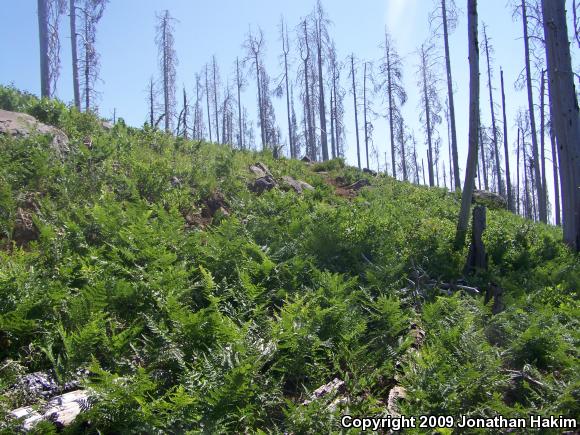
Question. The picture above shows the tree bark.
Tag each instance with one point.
(450, 96)
(564, 101)
(510, 198)
(555, 173)
(543, 138)
(483, 161)
(207, 101)
(518, 187)
(471, 166)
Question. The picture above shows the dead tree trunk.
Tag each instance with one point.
(450, 97)
(510, 198)
(365, 114)
(207, 101)
(471, 166)
(492, 109)
(239, 87)
(215, 99)
(518, 173)
(566, 116)
(477, 257)
(321, 104)
(355, 110)
(536, 160)
(427, 117)
(75, 61)
(43, 39)
(483, 161)
(543, 137)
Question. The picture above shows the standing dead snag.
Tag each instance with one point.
(488, 53)
(321, 39)
(566, 115)
(535, 158)
(471, 167)
(167, 64)
(43, 38)
(352, 72)
(510, 198)
(447, 13)
(392, 71)
(285, 52)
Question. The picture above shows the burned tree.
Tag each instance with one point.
(510, 198)
(285, 52)
(167, 63)
(497, 168)
(430, 105)
(352, 73)
(566, 115)
(91, 12)
(471, 167)
(522, 9)
(391, 70)
(254, 45)
(321, 39)
(444, 18)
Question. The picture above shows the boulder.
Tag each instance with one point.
(262, 184)
(298, 185)
(18, 124)
(260, 170)
(489, 199)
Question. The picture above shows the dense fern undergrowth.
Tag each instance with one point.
(230, 325)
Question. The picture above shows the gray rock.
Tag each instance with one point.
(18, 124)
(298, 185)
(260, 170)
(262, 184)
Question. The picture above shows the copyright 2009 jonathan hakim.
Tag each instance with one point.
(461, 422)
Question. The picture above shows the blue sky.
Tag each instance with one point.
(125, 41)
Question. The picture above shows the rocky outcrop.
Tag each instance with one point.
(18, 124)
(265, 181)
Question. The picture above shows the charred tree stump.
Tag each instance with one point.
(477, 257)
(496, 292)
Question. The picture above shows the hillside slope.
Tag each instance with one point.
(145, 268)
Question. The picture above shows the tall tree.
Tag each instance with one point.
(304, 47)
(215, 96)
(167, 63)
(321, 38)
(352, 73)
(471, 166)
(566, 115)
(74, 53)
(555, 171)
(43, 38)
(254, 45)
(366, 123)
(392, 72)
(534, 136)
(445, 17)
(207, 98)
(239, 85)
(285, 52)
(510, 198)
(91, 12)
(497, 170)
(430, 105)
(198, 127)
